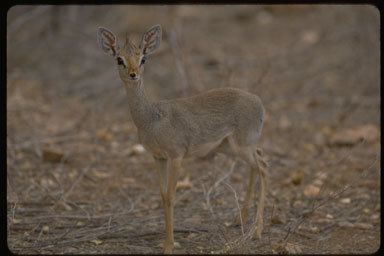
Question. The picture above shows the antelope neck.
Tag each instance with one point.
(142, 109)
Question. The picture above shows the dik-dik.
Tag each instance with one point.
(225, 120)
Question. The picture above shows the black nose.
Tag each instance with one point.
(133, 75)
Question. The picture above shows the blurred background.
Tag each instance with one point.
(78, 179)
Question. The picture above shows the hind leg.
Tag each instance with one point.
(241, 219)
(263, 174)
(258, 165)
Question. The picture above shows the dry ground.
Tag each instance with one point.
(77, 181)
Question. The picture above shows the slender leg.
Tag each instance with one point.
(245, 209)
(168, 179)
(263, 172)
(162, 173)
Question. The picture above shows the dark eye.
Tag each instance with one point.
(120, 61)
(142, 60)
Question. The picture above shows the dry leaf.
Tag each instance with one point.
(96, 242)
(26, 165)
(318, 182)
(284, 123)
(201, 248)
(297, 202)
(130, 228)
(311, 191)
(175, 244)
(101, 174)
(309, 147)
(52, 155)
(184, 184)
(16, 221)
(313, 230)
(80, 224)
(45, 228)
(236, 177)
(293, 248)
(220, 202)
(345, 224)
(375, 216)
(297, 177)
(192, 235)
(227, 249)
(322, 175)
(286, 248)
(104, 134)
(47, 182)
(129, 180)
(63, 206)
(278, 219)
(363, 225)
(322, 220)
(353, 136)
(310, 36)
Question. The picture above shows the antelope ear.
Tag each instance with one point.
(107, 41)
(151, 40)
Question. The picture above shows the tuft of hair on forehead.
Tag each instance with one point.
(130, 48)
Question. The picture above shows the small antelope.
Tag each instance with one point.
(226, 120)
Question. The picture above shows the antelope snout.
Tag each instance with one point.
(133, 75)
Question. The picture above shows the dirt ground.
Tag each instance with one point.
(78, 180)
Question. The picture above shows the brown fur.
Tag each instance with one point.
(226, 120)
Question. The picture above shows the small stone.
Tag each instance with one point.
(345, 201)
(345, 224)
(138, 149)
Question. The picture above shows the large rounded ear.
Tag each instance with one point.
(151, 40)
(107, 41)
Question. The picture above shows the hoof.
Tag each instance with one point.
(257, 235)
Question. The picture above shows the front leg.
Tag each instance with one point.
(168, 175)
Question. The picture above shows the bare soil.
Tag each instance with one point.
(78, 181)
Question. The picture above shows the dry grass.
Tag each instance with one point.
(76, 183)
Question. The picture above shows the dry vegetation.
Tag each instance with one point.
(78, 182)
